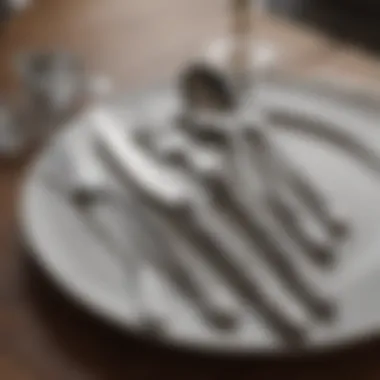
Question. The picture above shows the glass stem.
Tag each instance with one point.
(241, 28)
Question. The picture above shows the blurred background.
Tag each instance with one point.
(119, 37)
(353, 21)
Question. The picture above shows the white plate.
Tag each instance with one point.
(100, 276)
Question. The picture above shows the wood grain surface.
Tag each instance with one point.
(43, 335)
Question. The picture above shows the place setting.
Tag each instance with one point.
(234, 210)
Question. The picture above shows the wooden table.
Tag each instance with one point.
(42, 335)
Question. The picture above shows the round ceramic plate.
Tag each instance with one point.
(92, 256)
